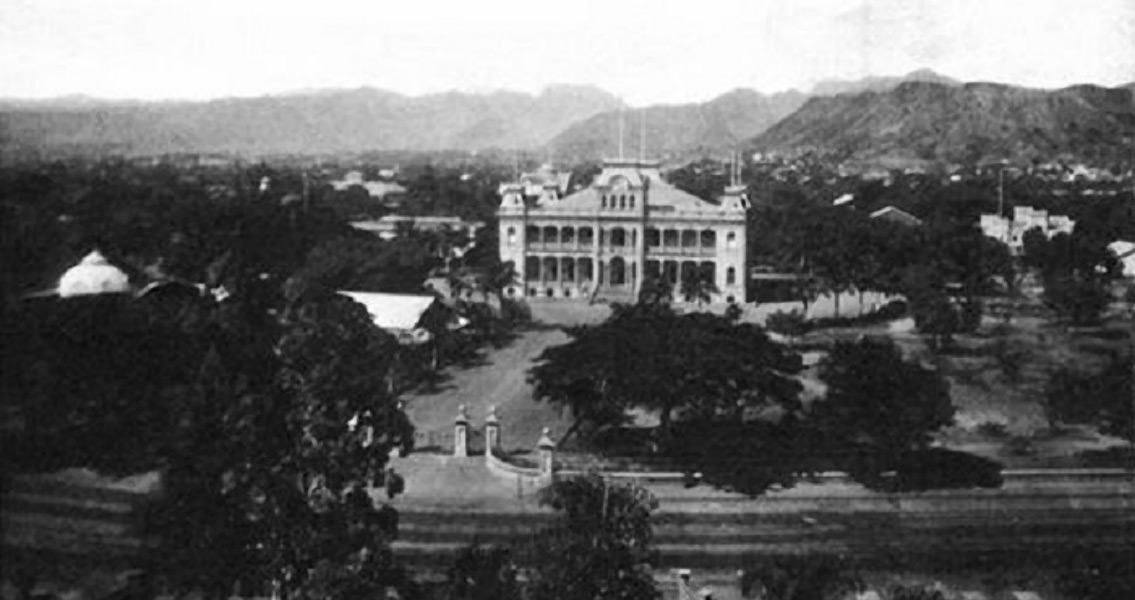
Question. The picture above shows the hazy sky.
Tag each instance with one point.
(644, 51)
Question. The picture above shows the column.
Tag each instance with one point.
(460, 426)
(492, 431)
(546, 448)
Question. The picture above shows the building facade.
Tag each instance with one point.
(1012, 231)
(604, 241)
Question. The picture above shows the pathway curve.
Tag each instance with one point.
(502, 382)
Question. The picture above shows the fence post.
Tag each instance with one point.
(684, 584)
(492, 431)
(461, 424)
(546, 447)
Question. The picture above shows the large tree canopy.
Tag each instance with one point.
(879, 406)
(647, 356)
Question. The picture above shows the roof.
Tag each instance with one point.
(896, 215)
(1121, 249)
(393, 311)
(632, 175)
(93, 275)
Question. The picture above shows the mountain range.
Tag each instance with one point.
(918, 117)
(928, 122)
(309, 122)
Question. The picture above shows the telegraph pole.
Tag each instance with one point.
(1001, 200)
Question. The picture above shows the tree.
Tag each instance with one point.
(1103, 398)
(480, 573)
(698, 287)
(599, 548)
(1077, 271)
(267, 471)
(649, 357)
(879, 406)
(931, 307)
(800, 578)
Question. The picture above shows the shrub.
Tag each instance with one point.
(939, 468)
(791, 323)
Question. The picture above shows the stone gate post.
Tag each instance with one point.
(460, 428)
(546, 448)
(492, 431)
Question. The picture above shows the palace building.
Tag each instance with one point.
(603, 241)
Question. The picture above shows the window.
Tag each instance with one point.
(511, 236)
(731, 240)
(632, 200)
(604, 200)
(618, 271)
(622, 201)
(618, 237)
(730, 275)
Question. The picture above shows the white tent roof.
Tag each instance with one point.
(393, 311)
(93, 275)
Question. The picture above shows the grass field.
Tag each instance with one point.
(1000, 411)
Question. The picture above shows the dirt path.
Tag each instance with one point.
(501, 382)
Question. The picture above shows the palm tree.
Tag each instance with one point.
(496, 278)
(696, 287)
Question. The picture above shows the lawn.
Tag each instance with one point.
(998, 376)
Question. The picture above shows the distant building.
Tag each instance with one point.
(896, 215)
(1012, 231)
(388, 227)
(1125, 252)
(389, 192)
(604, 241)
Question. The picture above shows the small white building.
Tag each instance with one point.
(1125, 252)
(1012, 231)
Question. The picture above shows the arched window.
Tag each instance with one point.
(618, 271)
(730, 275)
(632, 200)
(622, 201)
(731, 240)
(586, 236)
(618, 237)
(511, 236)
(604, 200)
(708, 239)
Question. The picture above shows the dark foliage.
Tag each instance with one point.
(879, 406)
(1103, 398)
(600, 548)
